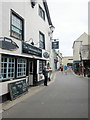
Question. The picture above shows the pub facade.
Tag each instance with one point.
(24, 43)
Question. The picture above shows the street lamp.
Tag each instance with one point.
(51, 30)
(32, 43)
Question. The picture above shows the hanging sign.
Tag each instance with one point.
(55, 45)
(8, 44)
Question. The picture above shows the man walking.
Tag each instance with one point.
(45, 73)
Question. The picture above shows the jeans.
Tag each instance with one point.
(45, 81)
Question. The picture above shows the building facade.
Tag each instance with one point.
(24, 42)
(68, 60)
(81, 53)
(57, 60)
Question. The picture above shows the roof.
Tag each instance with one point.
(47, 12)
(79, 38)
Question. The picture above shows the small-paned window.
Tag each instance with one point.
(7, 68)
(41, 40)
(41, 13)
(41, 65)
(17, 26)
(21, 67)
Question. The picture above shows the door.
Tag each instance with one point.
(30, 72)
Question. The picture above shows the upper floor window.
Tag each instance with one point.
(41, 40)
(17, 26)
(41, 13)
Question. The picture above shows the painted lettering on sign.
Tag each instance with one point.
(55, 45)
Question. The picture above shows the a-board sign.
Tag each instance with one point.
(18, 88)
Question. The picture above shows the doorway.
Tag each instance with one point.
(32, 72)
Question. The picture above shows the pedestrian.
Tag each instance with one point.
(49, 73)
(61, 68)
(84, 71)
(65, 69)
(45, 73)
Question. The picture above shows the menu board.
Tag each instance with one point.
(17, 88)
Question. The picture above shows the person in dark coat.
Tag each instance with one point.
(45, 73)
(61, 68)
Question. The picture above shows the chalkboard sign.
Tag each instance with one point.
(17, 88)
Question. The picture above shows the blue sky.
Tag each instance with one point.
(70, 18)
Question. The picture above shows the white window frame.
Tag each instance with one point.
(41, 13)
(41, 40)
(8, 73)
(20, 66)
(41, 65)
(17, 26)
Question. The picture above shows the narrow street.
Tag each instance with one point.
(66, 97)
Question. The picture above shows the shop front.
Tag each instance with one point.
(32, 72)
(36, 54)
(16, 67)
(76, 66)
(55, 63)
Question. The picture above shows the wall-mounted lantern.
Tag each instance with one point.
(51, 30)
(33, 3)
(31, 39)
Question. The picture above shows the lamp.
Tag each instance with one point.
(32, 43)
(33, 3)
(51, 30)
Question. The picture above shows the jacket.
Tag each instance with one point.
(45, 72)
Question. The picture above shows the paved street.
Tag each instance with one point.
(66, 97)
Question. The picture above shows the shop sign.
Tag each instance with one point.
(30, 49)
(8, 44)
(46, 55)
(55, 45)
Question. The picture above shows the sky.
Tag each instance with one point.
(70, 19)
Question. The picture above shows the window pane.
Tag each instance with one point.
(16, 27)
(41, 13)
(41, 41)
(6, 67)
(40, 66)
(21, 70)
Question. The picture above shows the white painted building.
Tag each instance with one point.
(82, 40)
(25, 45)
(81, 51)
(58, 60)
(67, 60)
